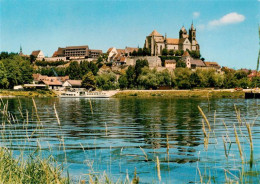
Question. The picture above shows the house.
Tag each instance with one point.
(130, 50)
(38, 54)
(197, 63)
(170, 64)
(213, 65)
(38, 78)
(72, 84)
(52, 83)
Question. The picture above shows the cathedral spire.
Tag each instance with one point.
(21, 51)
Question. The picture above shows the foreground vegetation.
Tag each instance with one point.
(32, 170)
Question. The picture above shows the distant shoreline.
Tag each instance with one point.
(195, 93)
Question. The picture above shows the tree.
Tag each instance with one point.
(148, 79)
(140, 63)
(180, 64)
(171, 52)
(240, 74)
(146, 52)
(88, 81)
(106, 81)
(26, 72)
(183, 78)
(178, 53)
(83, 68)
(195, 80)
(164, 52)
(130, 75)
(140, 52)
(14, 75)
(73, 71)
(123, 82)
(32, 58)
(93, 67)
(3, 76)
(134, 53)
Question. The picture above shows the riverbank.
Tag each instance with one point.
(225, 93)
(34, 93)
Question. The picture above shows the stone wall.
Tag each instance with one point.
(153, 61)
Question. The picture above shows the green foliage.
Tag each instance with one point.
(123, 82)
(195, 54)
(107, 81)
(182, 78)
(32, 58)
(3, 76)
(140, 63)
(73, 70)
(180, 64)
(148, 79)
(146, 52)
(5, 55)
(171, 52)
(50, 63)
(140, 52)
(76, 71)
(15, 71)
(130, 75)
(32, 170)
(164, 52)
(88, 81)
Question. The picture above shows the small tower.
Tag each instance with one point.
(21, 51)
(183, 33)
(192, 34)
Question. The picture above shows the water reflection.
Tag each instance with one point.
(110, 132)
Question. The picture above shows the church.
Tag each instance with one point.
(155, 42)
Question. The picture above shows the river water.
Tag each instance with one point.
(120, 135)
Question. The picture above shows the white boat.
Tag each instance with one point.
(83, 94)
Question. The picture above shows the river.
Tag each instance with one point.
(119, 135)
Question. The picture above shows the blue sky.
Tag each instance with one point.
(227, 30)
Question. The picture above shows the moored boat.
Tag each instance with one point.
(83, 94)
(252, 94)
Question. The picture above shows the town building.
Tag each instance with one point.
(77, 52)
(38, 54)
(72, 84)
(170, 64)
(119, 55)
(156, 42)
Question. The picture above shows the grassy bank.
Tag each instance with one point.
(32, 170)
(181, 93)
(33, 93)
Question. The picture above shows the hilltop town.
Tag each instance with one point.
(162, 63)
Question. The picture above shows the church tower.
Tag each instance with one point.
(21, 51)
(192, 38)
(183, 33)
(192, 34)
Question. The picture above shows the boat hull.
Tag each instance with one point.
(252, 95)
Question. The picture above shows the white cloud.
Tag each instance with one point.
(201, 27)
(197, 14)
(230, 18)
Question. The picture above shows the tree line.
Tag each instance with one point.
(14, 70)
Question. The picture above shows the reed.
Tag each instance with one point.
(205, 118)
(251, 144)
(158, 169)
(238, 144)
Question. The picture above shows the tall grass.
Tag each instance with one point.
(248, 172)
